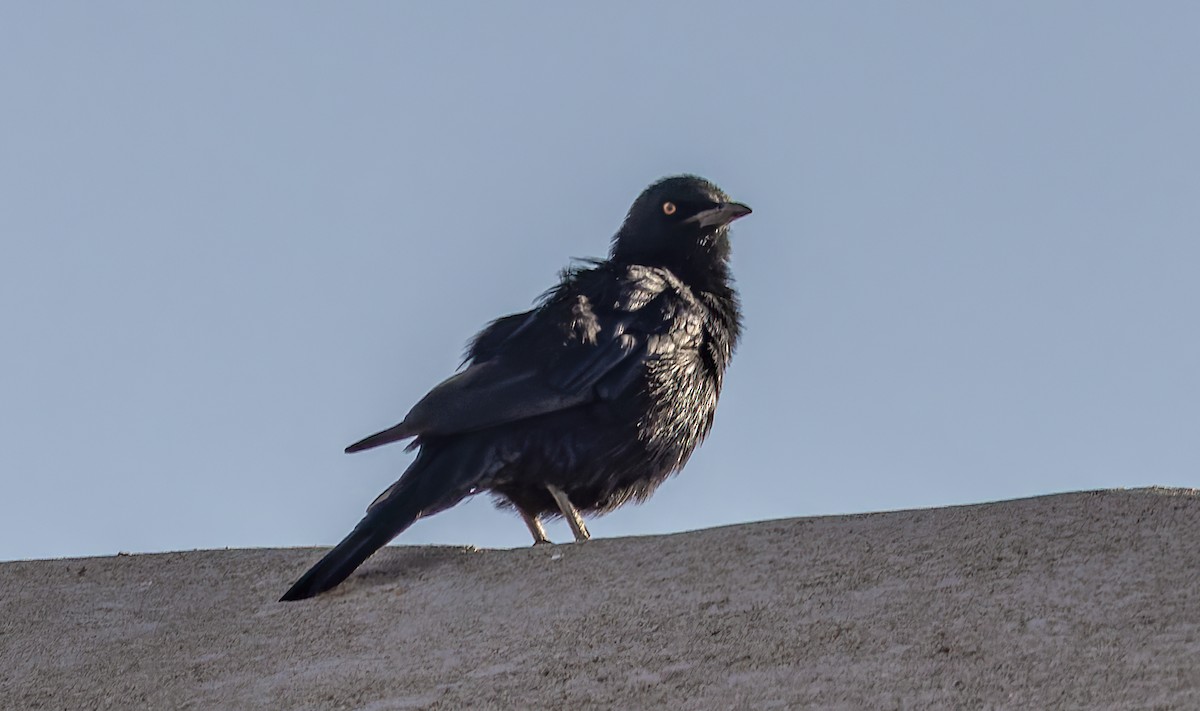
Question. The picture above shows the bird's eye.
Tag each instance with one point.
(668, 208)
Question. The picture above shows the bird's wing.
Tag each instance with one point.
(489, 342)
(561, 355)
(516, 385)
(500, 390)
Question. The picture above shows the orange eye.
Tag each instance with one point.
(668, 208)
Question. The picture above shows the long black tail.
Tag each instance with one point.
(337, 565)
(437, 480)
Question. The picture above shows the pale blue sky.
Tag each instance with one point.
(237, 236)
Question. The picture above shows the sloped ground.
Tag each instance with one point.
(1088, 600)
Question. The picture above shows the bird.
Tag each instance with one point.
(588, 401)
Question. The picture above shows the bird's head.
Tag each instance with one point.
(681, 223)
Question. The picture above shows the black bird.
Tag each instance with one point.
(589, 400)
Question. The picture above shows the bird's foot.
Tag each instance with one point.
(535, 529)
(570, 513)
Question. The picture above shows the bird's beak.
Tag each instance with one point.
(720, 215)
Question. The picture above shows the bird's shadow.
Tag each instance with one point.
(399, 564)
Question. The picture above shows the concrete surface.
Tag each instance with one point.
(1088, 600)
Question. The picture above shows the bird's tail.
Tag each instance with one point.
(339, 563)
(434, 482)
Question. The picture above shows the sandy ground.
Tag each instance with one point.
(1088, 600)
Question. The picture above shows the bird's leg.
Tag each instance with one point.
(569, 512)
(535, 527)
